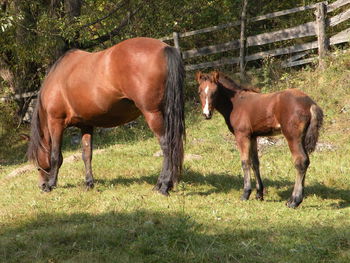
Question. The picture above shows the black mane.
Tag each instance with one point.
(230, 84)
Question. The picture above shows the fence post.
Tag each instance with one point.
(176, 38)
(321, 11)
(243, 42)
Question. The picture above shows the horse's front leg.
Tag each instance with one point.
(56, 131)
(255, 161)
(86, 140)
(244, 146)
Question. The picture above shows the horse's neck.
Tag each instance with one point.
(224, 103)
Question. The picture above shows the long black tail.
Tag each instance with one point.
(174, 116)
(35, 142)
(313, 130)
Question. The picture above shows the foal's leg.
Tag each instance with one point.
(86, 140)
(166, 179)
(255, 161)
(244, 145)
(56, 128)
(301, 163)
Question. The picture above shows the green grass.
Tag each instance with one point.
(123, 220)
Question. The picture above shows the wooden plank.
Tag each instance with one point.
(211, 49)
(283, 13)
(242, 41)
(335, 20)
(216, 63)
(341, 37)
(304, 30)
(321, 33)
(298, 62)
(297, 56)
(331, 7)
(209, 29)
(176, 41)
(166, 38)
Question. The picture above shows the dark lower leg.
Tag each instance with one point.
(244, 146)
(56, 159)
(165, 181)
(86, 140)
(55, 163)
(247, 184)
(256, 170)
(301, 163)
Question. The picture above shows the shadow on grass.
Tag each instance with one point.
(143, 236)
(324, 192)
(224, 183)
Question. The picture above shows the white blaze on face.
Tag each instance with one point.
(206, 106)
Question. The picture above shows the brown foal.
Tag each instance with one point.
(249, 114)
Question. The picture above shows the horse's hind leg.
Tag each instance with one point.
(165, 180)
(255, 161)
(301, 163)
(244, 146)
(86, 140)
(56, 131)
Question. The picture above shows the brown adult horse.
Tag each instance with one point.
(110, 88)
(249, 114)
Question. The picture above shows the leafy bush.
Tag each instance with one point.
(10, 135)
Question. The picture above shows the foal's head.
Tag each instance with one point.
(207, 90)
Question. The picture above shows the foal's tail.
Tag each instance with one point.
(174, 116)
(35, 141)
(313, 130)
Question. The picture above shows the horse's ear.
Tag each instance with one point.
(215, 76)
(198, 76)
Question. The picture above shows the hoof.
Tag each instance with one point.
(292, 203)
(89, 185)
(156, 187)
(259, 196)
(164, 190)
(245, 195)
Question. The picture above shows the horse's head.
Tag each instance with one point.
(207, 90)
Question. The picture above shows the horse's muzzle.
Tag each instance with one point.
(208, 115)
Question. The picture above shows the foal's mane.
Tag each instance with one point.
(230, 84)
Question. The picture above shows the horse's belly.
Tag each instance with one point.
(268, 132)
(112, 115)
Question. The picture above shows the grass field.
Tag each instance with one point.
(123, 220)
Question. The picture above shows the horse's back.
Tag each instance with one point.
(265, 114)
(109, 87)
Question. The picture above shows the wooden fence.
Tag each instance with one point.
(313, 28)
